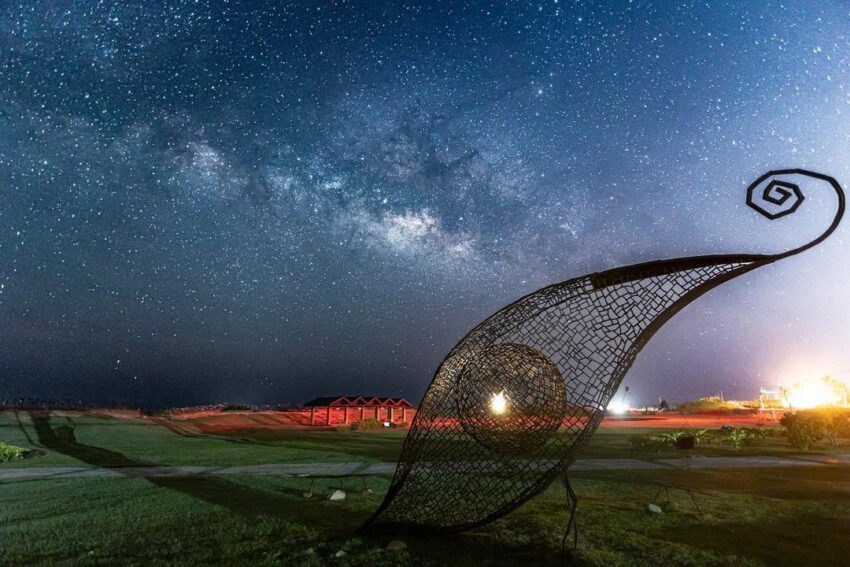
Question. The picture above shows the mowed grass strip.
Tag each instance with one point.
(150, 442)
(173, 442)
(749, 517)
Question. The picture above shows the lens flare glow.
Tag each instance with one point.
(499, 403)
(618, 408)
(812, 394)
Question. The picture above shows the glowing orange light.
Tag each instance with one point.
(811, 394)
(498, 403)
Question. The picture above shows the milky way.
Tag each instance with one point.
(267, 201)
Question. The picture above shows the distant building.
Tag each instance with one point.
(333, 410)
(772, 399)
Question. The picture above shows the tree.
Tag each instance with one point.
(804, 428)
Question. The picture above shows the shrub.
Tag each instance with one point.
(757, 433)
(236, 408)
(673, 439)
(652, 442)
(838, 425)
(806, 427)
(744, 437)
(706, 404)
(701, 436)
(367, 425)
(738, 437)
(10, 453)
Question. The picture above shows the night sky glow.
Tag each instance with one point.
(269, 201)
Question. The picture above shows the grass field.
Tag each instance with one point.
(748, 516)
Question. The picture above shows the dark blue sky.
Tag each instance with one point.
(268, 201)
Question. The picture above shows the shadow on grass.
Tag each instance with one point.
(191, 433)
(217, 491)
(286, 503)
(375, 445)
(826, 483)
(23, 429)
(804, 540)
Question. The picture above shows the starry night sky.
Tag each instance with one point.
(264, 202)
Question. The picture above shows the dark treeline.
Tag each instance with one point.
(38, 403)
(51, 403)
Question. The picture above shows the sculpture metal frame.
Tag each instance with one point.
(552, 360)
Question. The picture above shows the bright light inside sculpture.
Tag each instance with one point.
(618, 408)
(498, 403)
(811, 394)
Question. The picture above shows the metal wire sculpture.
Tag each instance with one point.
(517, 399)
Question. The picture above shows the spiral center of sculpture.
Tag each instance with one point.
(511, 399)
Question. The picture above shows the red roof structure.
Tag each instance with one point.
(347, 409)
(357, 401)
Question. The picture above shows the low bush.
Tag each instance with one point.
(673, 437)
(757, 433)
(367, 425)
(652, 442)
(671, 440)
(701, 435)
(236, 408)
(740, 437)
(803, 429)
(706, 404)
(10, 453)
(837, 425)
(806, 427)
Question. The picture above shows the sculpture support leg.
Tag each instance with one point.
(572, 523)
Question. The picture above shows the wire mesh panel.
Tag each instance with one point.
(511, 399)
(513, 404)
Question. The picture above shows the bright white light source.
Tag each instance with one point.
(811, 394)
(499, 403)
(618, 407)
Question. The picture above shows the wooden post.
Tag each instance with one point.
(329, 415)
(345, 415)
(312, 415)
(390, 419)
(361, 413)
(404, 414)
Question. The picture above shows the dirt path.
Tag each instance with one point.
(367, 469)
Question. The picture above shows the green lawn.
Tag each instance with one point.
(145, 442)
(770, 516)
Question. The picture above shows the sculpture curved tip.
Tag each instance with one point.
(777, 194)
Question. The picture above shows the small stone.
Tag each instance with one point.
(308, 494)
(396, 545)
(337, 495)
(653, 509)
(340, 553)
